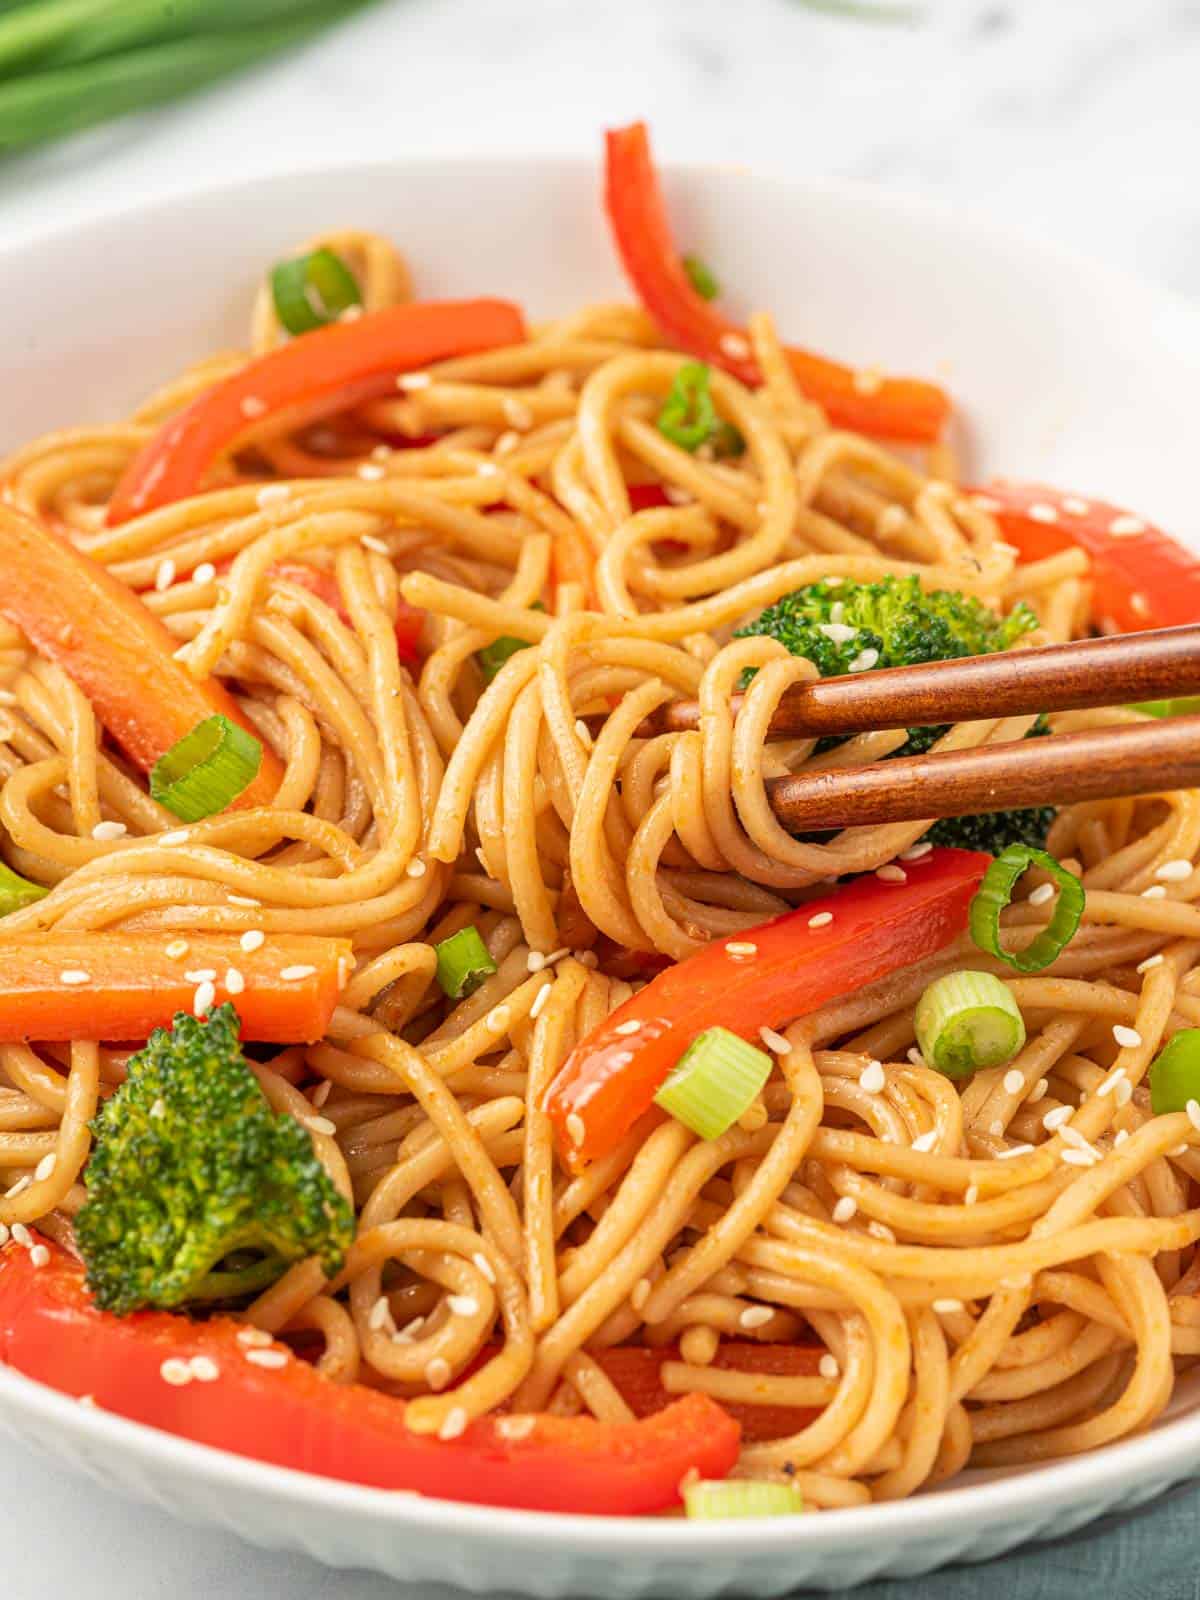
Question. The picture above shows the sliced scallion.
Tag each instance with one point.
(688, 416)
(715, 1500)
(716, 1079)
(463, 963)
(701, 277)
(16, 892)
(1175, 1073)
(206, 770)
(493, 656)
(995, 892)
(967, 1021)
(312, 291)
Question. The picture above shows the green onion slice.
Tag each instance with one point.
(712, 1500)
(463, 963)
(967, 1021)
(1175, 1073)
(688, 417)
(206, 770)
(493, 656)
(312, 291)
(701, 277)
(715, 1080)
(995, 892)
(16, 892)
(1185, 707)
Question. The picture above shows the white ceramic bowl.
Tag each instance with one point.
(1065, 371)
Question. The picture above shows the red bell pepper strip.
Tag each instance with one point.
(293, 1417)
(1141, 577)
(323, 372)
(636, 1372)
(76, 614)
(890, 408)
(763, 977)
(410, 620)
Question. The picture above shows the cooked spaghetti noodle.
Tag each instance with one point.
(998, 1273)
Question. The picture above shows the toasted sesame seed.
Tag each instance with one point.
(1127, 1038)
(756, 1316)
(1017, 1280)
(890, 873)
(1111, 1082)
(74, 978)
(1014, 1081)
(515, 1427)
(296, 974)
(204, 573)
(380, 1314)
(845, 1208)
(539, 1001)
(828, 1366)
(534, 961)
(175, 836)
(462, 1305)
(1039, 1091)
(21, 1234)
(487, 469)
(267, 1358)
(370, 542)
(202, 975)
(873, 1078)
(18, 1188)
(164, 575)
(410, 382)
(576, 1128)
(1040, 512)
(880, 1230)
(257, 1338)
(1174, 871)
(626, 1029)
(205, 1369)
(498, 1018)
(1078, 1158)
(735, 347)
(485, 1267)
(371, 472)
(820, 919)
(1193, 1113)
(971, 1195)
(1156, 891)
(916, 851)
(243, 900)
(864, 661)
(741, 949)
(775, 1042)
(1043, 892)
(1014, 1150)
(319, 1125)
(235, 983)
(1076, 506)
(455, 1424)
(914, 1055)
(507, 443)
(1122, 1135)
(1073, 1137)
(1123, 527)
(45, 1167)
(175, 1372)
(1123, 1093)
(253, 939)
(204, 999)
(437, 1373)
(948, 1308)
(105, 832)
(272, 494)
(416, 868)
(39, 1256)
(1150, 962)
(838, 632)
(4, 1235)
(1053, 1120)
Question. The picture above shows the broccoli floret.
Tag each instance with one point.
(197, 1190)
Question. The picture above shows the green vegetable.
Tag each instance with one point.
(1175, 1074)
(712, 1500)
(17, 892)
(967, 1021)
(715, 1080)
(463, 963)
(701, 278)
(995, 892)
(206, 770)
(1185, 707)
(689, 419)
(993, 831)
(493, 656)
(197, 1190)
(312, 291)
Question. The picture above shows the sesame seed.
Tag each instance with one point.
(774, 1042)
(828, 1367)
(256, 1338)
(1040, 512)
(74, 978)
(1156, 891)
(1123, 1093)
(1076, 506)
(1017, 1280)
(845, 1208)
(107, 831)
(756, 1316)
(864, 661)
(296, 974)
(1123, 527)
(1043, 892)
(1039, 1091)
(1174, 871)
(821, 919)
(741, 949)
(18, 1188)
(507, 443)
(839, 632)
(485, 1266)
(164, 575)
(319, 1125)
(243, 900)
(832, 581)
(159, 1108)
(880, 1230)
(39, 1256)
(252, 406)
(488, 469)
(437, 1373)
(1127, 1038)
(1073, 1137)
(873, 1078)
(205, 1369)
(1078, 1158)
(948, 1308)
(1121, 1136)
(1193, 1113)
(576, 1128)
(1110, 1083)
(583, 733)
(370, 472)
(515, 1427)
(1014, 1150)
(535, 961)
(410, 382)
(539, 1001)
(253, 939)
(587, 958)
(891, 874)
(416, 868)
(1053, 1120)
(1150, 961)
(868, 382)
(916, 851)
(455, 1424)
(175, 836)
(498, 1018)
(45, 1167)
(380, 1314)
(626, 1029)
(915, 1056)
(267, 1358)
(204, 999)
(925, 1142)
(235, 983)
(971, 1195)
(272, 494)
(735, 347)
(204, 573)
(4, 1235)
(462, 1305)
(1014, 1081)
(21, 1233)
(175, 1372)
(202, 975)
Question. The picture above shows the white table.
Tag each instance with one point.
(1077, 119)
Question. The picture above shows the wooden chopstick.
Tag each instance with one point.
(1100, 764)
(1121, 670)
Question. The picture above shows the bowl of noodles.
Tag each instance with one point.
(447, 1123)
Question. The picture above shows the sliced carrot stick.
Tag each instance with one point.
(62, 986)
(79, 616)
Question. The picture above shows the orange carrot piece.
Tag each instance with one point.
(61, 986)
(79, 616)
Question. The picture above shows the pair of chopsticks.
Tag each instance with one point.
(1100, 764)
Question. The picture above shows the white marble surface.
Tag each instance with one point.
(1077, 119)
